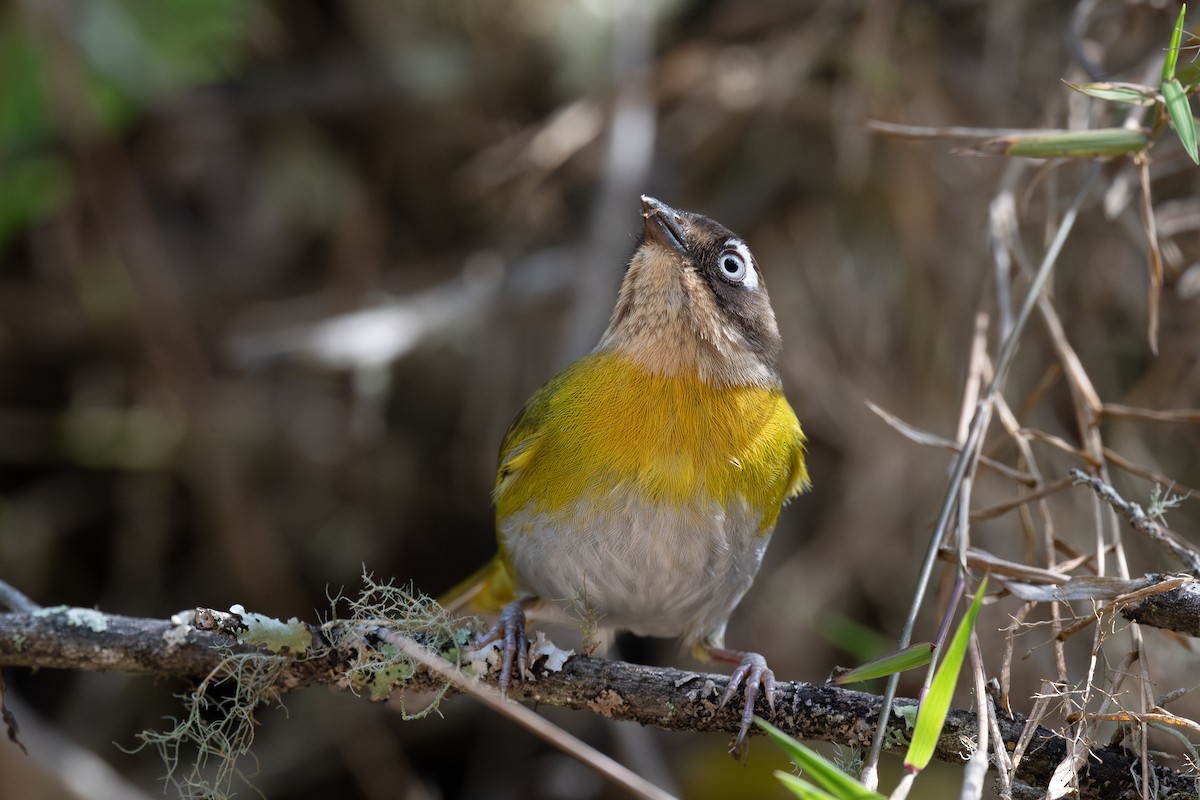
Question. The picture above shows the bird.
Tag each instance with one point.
(639, 487)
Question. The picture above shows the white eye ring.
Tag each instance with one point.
(733, 267)
(736, 265)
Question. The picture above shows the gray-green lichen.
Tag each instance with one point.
(88, 618)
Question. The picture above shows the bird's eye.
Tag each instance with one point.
(733, 266)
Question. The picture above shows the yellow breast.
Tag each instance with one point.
(605, 421)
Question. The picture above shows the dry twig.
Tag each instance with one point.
(1141, 521)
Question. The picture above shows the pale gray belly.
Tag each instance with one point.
(640, 567)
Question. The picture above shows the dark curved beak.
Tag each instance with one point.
(663, 224)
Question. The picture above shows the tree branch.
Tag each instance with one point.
(671, 699)
(1177, 610)
(1142, 522)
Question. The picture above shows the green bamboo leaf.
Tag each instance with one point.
(1173, 51)
(817, 769)
(932, 714)
(1181, 115)
(802, 788)
(911, 657)
(1096, 143)
(1132, 93)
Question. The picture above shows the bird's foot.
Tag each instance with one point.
(510, 631)
(752, 670)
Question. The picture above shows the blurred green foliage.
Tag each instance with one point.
(132, 52)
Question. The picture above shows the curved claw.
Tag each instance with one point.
(510, 629)
(752, 670)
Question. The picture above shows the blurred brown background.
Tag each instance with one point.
(275, 276)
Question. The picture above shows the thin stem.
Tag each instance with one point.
(970, 449)
(582, 752)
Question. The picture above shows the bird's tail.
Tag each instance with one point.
(488, 590)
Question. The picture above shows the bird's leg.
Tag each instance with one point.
(753, 670)
(510, 629)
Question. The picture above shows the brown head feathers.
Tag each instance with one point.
(693, 302)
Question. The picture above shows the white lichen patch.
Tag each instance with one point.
(483, 660)
(553, 655)
(181, 625)
(88, 618)
(271, 633)
(487, 658)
